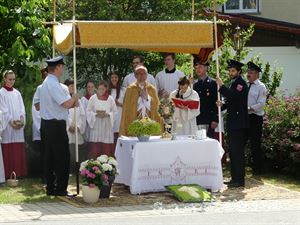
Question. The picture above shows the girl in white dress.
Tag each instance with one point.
(100, 116)
(185, 118)
(89, 92)
(81, 124)
(117, 92)
(13, 143)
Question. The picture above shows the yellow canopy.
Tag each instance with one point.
(160, 36)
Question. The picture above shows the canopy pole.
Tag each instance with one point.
(217, 69)
(192, 58)
(54, 21)
(75, 92)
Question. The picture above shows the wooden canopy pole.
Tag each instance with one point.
(75, 92)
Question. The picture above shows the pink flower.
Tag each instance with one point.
(91, 175)
(83, 172)
(95, 168)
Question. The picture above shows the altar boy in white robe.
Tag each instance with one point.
(184, 116)
(71, 126)
(167, 79)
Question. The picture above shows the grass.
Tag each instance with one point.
(277, 179)
(24, 193)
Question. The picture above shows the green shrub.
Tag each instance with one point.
(144, 127)
(281, 134)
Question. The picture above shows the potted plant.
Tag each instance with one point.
(144, 128)
(109, 167)
(94, 178)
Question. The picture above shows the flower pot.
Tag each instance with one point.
(106, 189)
(143, 138)
(90, 194)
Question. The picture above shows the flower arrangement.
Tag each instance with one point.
(99, 172)
(144, 127)
(109, 165)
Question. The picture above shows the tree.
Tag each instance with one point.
(23, 42)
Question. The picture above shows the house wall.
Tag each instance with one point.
(282, 10)
(288, 58)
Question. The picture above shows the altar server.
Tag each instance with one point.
(167, 79)
(2, 173)
(131, 78)
(71, 126)
(184, 116)
(100, 116)
(13, 143)
(89, 92)
(117, 92)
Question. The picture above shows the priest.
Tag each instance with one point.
(140, 101)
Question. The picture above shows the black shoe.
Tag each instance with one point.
(64, 193)
(236, 184)
(229, 182)
(50, 193)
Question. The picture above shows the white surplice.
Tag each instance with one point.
(84, 102)
(12, 107)
(36, 124)
(101, 128)
(168, 82)
(2, 174)
(81, 124)
(118, 114)
(186, 123)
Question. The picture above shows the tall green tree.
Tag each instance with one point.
(23, 42)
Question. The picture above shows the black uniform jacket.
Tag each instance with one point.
(208, 93)
(236, 103)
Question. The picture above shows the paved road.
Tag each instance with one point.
(263, 212)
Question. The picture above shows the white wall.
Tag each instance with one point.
(286, 57)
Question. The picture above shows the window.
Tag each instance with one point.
(241, 6)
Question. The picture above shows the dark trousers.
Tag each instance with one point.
(39, 147)
(236, 149)
(254, 135)
(57, 154)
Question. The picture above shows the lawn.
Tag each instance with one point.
(24, 193)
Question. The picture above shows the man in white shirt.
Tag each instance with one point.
(167, 79)
(257, 95)
(130, 78)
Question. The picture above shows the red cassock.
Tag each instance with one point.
(14, 159)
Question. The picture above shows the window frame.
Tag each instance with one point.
(241, 10)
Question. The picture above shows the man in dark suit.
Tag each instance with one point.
(236, 98)
(206, 88)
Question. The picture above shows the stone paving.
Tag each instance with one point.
(61, 211)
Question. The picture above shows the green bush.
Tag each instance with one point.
(144, 127)
(281, 134)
